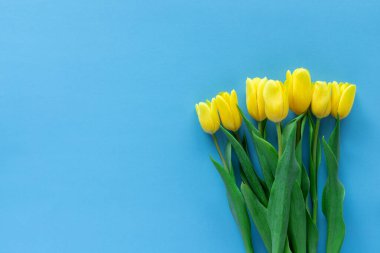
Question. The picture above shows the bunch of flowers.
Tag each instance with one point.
(278, 202)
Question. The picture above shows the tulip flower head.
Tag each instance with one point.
(299, 90)
(321, 100)
(227, 107)
(208, 116)
(343, 96)
(254, 97)
(276, 101)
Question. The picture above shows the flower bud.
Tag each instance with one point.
(321, 100)
(255, 99)
(276, 101)
(228, 111)
(299, 90)
(208, 116)
(343, 96)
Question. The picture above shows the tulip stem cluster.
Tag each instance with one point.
(278, 202)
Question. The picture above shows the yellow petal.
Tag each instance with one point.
(226, 97)
(225, 113)
(335, 98)
(346, 101)
(233, 98)
(251, 95)
(301, 90)
(342, 87)
(273, 97)
(204, 116)
(254, 98)
(321, 100)
(214, 115)
(289, 84)
(260, 100)
(234, 110)
(285, 95)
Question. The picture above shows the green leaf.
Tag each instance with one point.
(334, 140)
(244, 143)
(258, 213)
(250, 126)
(237, 206)
(297, 220)
(280, 196)
(312, 234)
(262, 128)
(332, 200)
(304, 180)
(297, 216)
(250, 173)
(228, 156)
(311, 129)
(287, 247)
(312, 227)
(266, 153)
(268, 158)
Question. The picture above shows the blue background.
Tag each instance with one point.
(100, 146)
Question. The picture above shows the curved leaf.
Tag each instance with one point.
(266, 153)
(268, 158)
(334, 140)
(250, 173)
(258, 213)
(297, 220)
(332, 202)
(237, 206)
(312, 234)
(287, 247)
(280, 196)
(305, 181)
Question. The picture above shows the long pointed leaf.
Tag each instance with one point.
(279, 201)
(297, 220)
(258, 213)
(334, 140)
(305, 181)
(237, 205)
(312, 234)
(266, 153)
(248, 169)
(332, 202)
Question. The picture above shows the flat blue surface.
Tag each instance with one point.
(100, 146)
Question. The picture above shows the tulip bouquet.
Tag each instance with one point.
(283, 202)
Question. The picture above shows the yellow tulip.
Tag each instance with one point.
(276, 101)
(343, 96)
(299, 90)
(321, 100)
(254, 97)
(208, 116)
(228, 111)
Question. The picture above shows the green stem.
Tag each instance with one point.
(236, 134)
(261, 128)
(219, 151)
(279, 139)
(299, 126)
(314, 173)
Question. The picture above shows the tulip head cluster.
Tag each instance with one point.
(272, 99)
